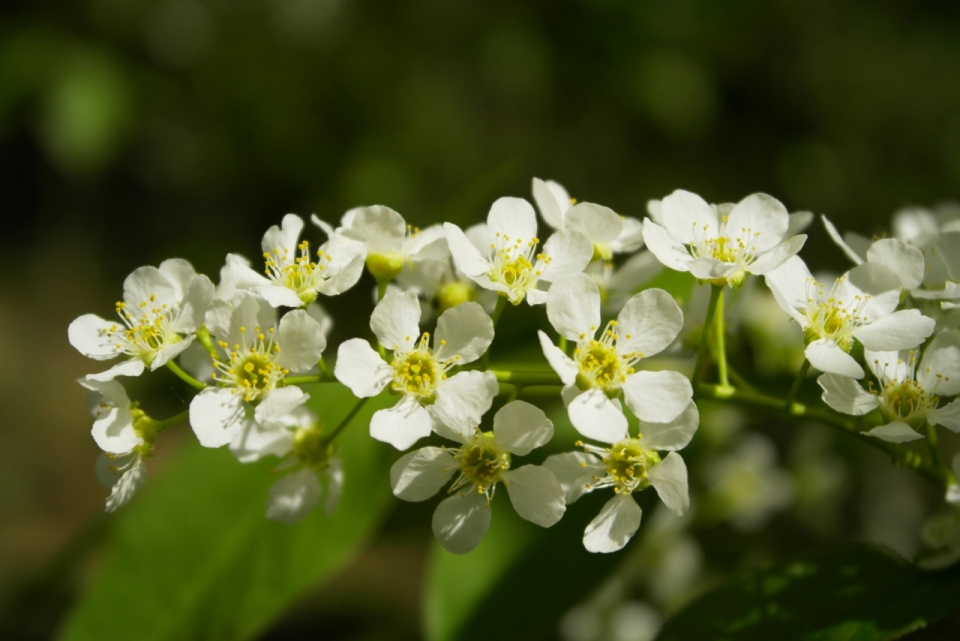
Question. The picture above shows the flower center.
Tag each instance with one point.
(146, 331)
(297, 273)
(310, 448)
(250, 369)
(740, 249)
(482, 463)
(417, 372)
(901, 397)
(516, 265)
(601, 365)
(830, 317)
(627, 464)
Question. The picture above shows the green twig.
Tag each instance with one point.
(705, 336)
(528, 378)
(797, 383)
(720, 327)
(159, 426)
(329, 438)
(933, 444)
(186, 378)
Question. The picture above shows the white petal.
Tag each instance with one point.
(548, 203)
(465, 330)
(535, 494)
(467, 257)
(665, 247)
(902, 259)
(799, 220)
(595, 416)
(674, 435)
(669, 479)
(648, 323)
(520, 427)
(900, 330)
(341, 277)
(939, 370)
(573, 306)
(381, 228)
(402, 425)
(658, 397)
(687, 217)
(256, 441)
(147, 284)
(396, 320)
(196, 301)
(479, 237)
(130, 367)
(88, 335)
(616, 524)
(789, 286)
(106, 393)
(420, 474)
(948, 416)
(636, 271)
(278, 403)
(569, 253)
(301, 341)
(760, 219)
(598, 223)
(361, 369)
(896, 432)
(711, 268)
(293, 497)
(915, 224)
(882, 285)
(113, 431)
(777, 256)
(429, 244)
(461, 401)
(835, 236)
(239, 275)
(279, 296)
(535, 297)
(283, 238)
(630, 238)
(168, 353)
(563, 365)
(246, 315)
(846, 396)
(461, 521)
(179, 274)
(216, 416)
(129, 484)
(575, 471)
(514, 218)
(827, 357)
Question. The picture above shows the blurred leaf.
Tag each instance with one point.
(195, 558)
(857, 593)
(677, 284)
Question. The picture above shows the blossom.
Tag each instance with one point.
(483, 460)
(859, 305)
(720, 246)
(387, 242)
(602, 367)
(905, 261)
(292, 278)
(159, 307)
(628, 465)
(609, 232)
(418, 372)
(119, 431)
(315, 470)
(909, 392)
(512, 267)
(250, 373)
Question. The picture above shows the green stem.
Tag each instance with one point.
(797, 383)
(721, 341)
(323, 377)
(186, 378)
(705, 336)
(346, 421)
(206, 340)
(501, 303)
(900, 456)
(563, 344)
(382, 288)
(159, 426)
(933, 444)
(528, 378)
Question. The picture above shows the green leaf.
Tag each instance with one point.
(858, 593)
(195, 558)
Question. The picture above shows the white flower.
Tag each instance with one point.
(292, 278)
(628, 465)
(482, 461)
(609, 232)
(298, 439)
(617, 284)
(418, 372)
(512, 267)
(120, 467)
(387, 241)
(440, 285)
(719, 245)
(601, 368)
(909, 394)
(256, 360)
(859, 305)
(905, 261)
(159, 307)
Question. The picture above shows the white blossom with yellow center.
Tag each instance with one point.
(859, 305)
(293, 277)
(720, 246)
(481, 462)
(513, 267)
(602, 367)
(418, 371)
(250, 373)
(160, 309)
(628, 465)
(910, 391)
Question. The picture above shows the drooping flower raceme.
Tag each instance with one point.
(603, 365)
(483, 460)
(909, 392)
(718, 246)
(160, 309)
(250, 373)
(859, 305)
(315, 470)
(628, 465)
(293, 278)
(417, 371)
(513, 268)
(609, 232)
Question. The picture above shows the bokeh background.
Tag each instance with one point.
(136, 130)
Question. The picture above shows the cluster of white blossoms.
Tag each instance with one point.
(249, 344)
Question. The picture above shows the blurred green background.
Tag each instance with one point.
(136, 130)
